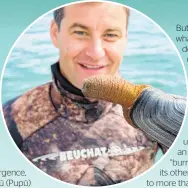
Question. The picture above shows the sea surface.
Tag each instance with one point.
(149, 58)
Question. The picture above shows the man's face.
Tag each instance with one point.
(91, 40)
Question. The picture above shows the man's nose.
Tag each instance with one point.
(95, 49)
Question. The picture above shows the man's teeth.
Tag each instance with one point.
(92, 66)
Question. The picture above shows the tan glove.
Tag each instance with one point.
(114, 89)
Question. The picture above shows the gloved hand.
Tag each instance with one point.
(158, 114)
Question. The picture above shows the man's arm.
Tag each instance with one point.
(7, 111)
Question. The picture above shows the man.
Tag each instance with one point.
(73, 138)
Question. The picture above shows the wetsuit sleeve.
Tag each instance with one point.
(10, 123)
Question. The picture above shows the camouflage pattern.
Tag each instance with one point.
(51, 122)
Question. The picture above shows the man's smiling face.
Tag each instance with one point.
(91, 40)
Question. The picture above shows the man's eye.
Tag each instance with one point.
(81, 33)
(111, 35)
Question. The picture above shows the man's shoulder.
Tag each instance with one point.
(26, 99)
(30, 111)
(36, 96)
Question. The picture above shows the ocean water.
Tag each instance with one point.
(149, 58)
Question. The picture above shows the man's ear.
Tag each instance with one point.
(54, 33)
(126, 39)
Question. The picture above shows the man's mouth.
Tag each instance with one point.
(92, 67)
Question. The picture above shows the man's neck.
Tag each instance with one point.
(58, 76)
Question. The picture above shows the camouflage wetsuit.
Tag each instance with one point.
(49, 120)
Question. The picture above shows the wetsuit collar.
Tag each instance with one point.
(71, 103)
(62, 82)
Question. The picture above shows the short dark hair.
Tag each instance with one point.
(59, 15)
